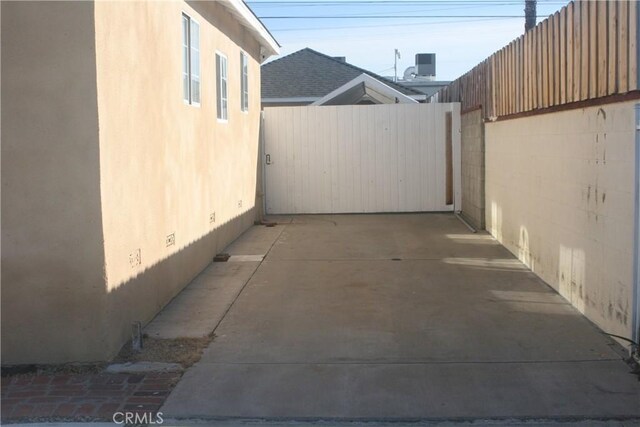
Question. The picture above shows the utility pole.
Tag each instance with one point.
(529, 14)
(395, 65)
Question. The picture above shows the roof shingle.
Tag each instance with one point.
(308, 73)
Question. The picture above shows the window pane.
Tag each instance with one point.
(195, 90)
(244, 104)
(218, 94)
(221, 86)
(195, 35)
(195, 62)
(185, 58)
(185, 87)
(185, 30)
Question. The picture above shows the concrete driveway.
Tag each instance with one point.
(383, 317)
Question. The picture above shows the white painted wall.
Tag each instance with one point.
(360, 158)
(560, 196)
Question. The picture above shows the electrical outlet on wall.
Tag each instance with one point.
(212, 217)
(135, 258)
(171, 239)
(240, 203)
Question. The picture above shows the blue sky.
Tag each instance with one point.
(459, 41)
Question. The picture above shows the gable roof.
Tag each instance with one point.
(308, 73)
(364, 87)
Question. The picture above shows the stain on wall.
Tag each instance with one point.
(567, 180)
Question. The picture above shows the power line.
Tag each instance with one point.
(466, 3)
(392, 16)
(413, 24)
(397, 2)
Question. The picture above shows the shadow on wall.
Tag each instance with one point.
(576, 233)
(573, 282)
(144, 295)
(56, 302)
(52, 252)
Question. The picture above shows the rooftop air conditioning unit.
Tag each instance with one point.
(426, 64)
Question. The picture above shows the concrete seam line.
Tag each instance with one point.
(409, 363)
(247, 282)
(386, 422)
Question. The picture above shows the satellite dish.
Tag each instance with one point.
(409, 73)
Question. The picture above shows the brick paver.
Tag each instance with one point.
(82, 396)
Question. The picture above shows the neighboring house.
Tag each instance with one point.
(428, 87)
(129, 151)
(308, 77)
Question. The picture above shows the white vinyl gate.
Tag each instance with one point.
(361, 158)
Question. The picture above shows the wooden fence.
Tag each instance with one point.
(587, 50)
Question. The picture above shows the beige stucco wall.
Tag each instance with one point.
(559, 195)
(53, 291)
(167, 166)
(472, 167)
(101, 158)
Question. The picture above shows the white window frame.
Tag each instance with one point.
(244, 82)
(189, 72)
(222, 102)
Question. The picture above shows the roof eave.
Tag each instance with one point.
(242, 12)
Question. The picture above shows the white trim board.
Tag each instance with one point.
(242, 12)
(371, 83)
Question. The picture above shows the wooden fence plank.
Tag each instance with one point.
(569, 52)
(548, 46)
(505, 81)
(623, 43)
(499, 84)
(556, 50)
(633, 48)
(527, 71)
(584, 51)
(540, 66)
(544, 88)
(512, 79)
(603, 75)
(520, 63)
(562, 28)
(494, 87)
(612, 54)
(577, 51)
(593, 50)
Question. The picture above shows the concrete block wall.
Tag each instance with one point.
(560, 196)
(472, 161)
